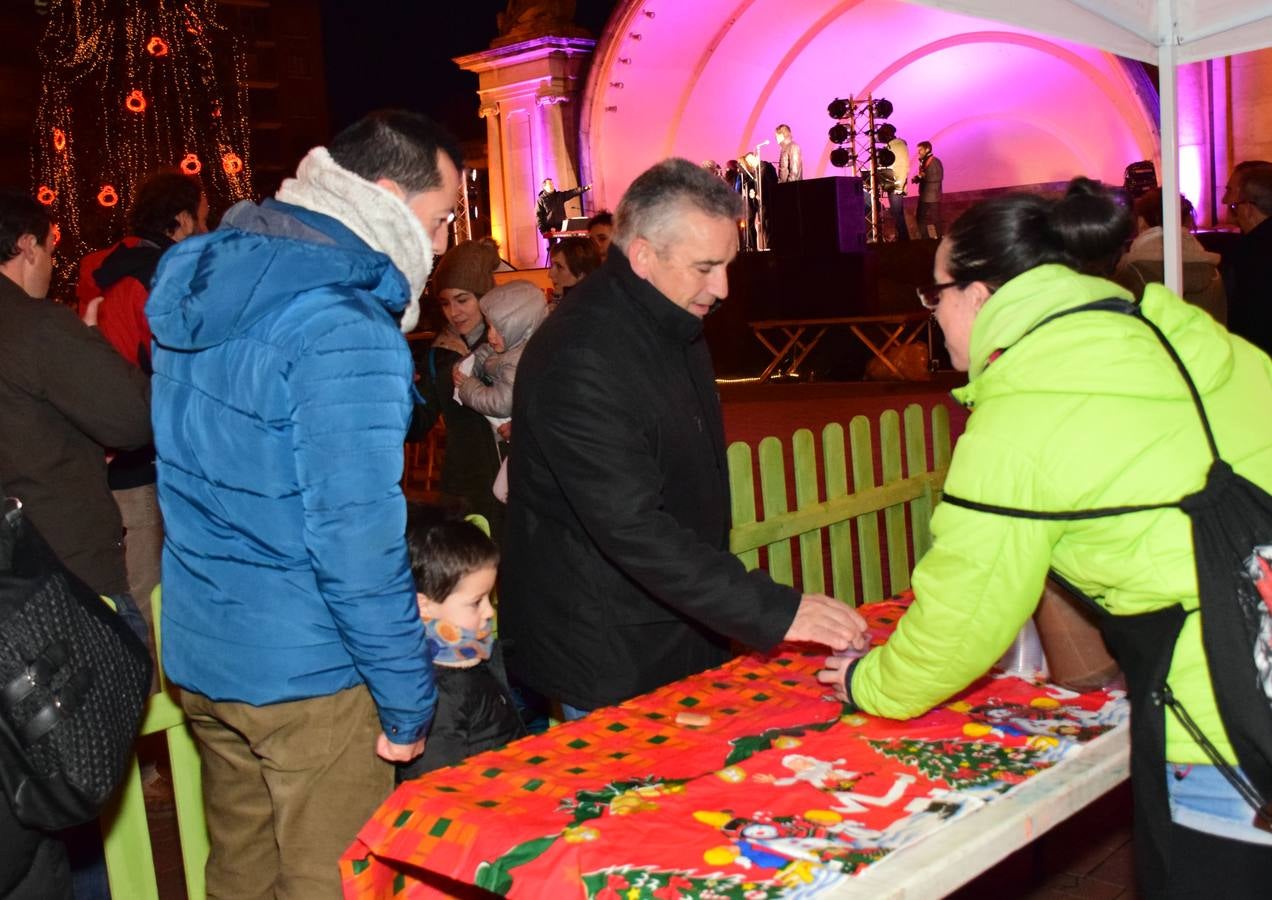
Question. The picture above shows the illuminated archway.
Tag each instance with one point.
(1003, 106)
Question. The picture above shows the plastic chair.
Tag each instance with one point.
(130, 863)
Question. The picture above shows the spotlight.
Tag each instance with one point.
(838, 109)
(840, 158)
(885, 132)
(884, 156)
(839, 134)
(882, 108)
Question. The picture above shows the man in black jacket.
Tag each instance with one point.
(549, 211)
(617, 576)
(1248, 274)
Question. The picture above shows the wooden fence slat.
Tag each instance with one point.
(804, 460)
(835, 470)
(918, 490)
(832, 513)
(863, 477)
(916, 461)
(742, 498)
(894, 513)
(773, 495)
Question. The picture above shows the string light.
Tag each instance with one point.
(232, 163)
(57, 234)
(181, 80)
(46, 195)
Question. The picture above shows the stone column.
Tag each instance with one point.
(528, 92)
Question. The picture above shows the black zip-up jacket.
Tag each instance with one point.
(617, 577)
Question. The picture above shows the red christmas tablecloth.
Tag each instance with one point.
(784, 792)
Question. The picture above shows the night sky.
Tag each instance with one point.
(397, 53)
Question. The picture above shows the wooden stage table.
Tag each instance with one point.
(783, 792)
(878, 333)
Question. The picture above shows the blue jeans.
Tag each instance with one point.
(1203, 800)
(573, 713)
(128, 611)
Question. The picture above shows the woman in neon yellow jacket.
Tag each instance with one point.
(1088, 411)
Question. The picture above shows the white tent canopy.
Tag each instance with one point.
(1163, 32)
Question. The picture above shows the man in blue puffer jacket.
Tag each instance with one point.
(282, 393)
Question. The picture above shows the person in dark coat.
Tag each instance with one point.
(1249, 270)
(549, 210)
(930, 180)
(473, 453)
(66, 395)
(454, 567)
(617, 577)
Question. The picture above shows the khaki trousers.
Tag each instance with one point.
(286, 788)
(143, 543)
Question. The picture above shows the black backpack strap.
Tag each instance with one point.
(1058, 516)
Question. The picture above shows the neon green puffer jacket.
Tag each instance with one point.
(1088, 411)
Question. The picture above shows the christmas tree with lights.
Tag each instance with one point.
(129, 86)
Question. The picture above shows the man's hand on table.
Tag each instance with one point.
(397, 753)
(825, 620)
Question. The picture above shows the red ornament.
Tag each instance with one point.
(231, 163)
(191, 164)
(57, 234)
(136, 102)
(157, 46)
(107, 196)
(59, 139)
(46, 195)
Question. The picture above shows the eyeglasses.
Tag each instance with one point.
(930, 296)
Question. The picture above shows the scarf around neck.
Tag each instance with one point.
(375, 215)
(451, 645)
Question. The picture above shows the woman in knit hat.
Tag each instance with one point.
(462, 277)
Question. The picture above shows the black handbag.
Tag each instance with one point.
(73, 683)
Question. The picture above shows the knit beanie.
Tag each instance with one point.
(469, 266)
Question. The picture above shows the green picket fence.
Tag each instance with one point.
(834, 515)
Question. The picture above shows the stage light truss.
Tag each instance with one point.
(862, 138)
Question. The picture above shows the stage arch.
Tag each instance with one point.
(710, 78)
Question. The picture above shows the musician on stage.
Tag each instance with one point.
(757, 179)
(790, 161)
(550, 208)
(931, 174)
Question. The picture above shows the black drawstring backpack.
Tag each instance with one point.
(1232, 541)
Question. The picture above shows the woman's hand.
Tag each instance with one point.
(832, 675)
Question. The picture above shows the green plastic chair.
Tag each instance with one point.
(130, 862)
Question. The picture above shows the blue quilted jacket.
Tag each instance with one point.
(281, 396)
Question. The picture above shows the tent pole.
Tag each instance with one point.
(1172, 260)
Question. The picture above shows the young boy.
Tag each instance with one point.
(454, 566)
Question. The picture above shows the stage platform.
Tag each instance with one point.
(755, 411)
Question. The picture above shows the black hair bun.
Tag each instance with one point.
(1092, 223)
